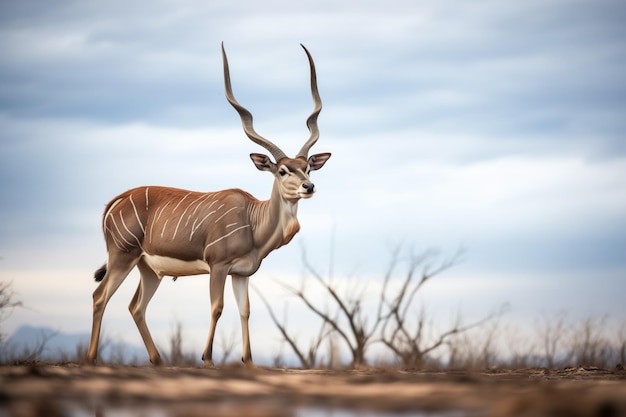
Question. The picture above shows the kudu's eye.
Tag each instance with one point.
(282, 172)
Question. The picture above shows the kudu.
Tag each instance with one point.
(173, 232)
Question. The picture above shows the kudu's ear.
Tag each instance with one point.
(263, 162)
(318, 160)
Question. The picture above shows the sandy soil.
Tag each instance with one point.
(73, 390)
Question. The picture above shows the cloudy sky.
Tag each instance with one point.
(489, 125)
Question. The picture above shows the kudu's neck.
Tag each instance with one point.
(275, 220)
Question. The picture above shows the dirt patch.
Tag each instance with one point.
(73, 390)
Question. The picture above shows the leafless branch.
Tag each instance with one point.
(7, 302)
(177, 356)
(27, 353)
(283, 331)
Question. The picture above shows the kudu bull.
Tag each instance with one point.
(172, 232)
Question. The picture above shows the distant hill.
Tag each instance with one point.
(45, 343)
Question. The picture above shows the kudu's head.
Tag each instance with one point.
(292, 174)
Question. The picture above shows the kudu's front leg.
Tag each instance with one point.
(240, 288)
(217, 281)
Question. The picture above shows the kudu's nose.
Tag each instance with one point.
(308, 186)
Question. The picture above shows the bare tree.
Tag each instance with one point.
(176, 356)
(589, 345)
(552, 332)
(621, 345)
(411, 345)
(394, 324)
(403, 337)
(349, 322)
(27, 353)
(474, 349)
(7, 303)
(309, 358)
(405, 333)
(227, 345)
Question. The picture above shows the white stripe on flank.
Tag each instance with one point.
(180, 219)
(197, 200)
(230, 225)
(195, 227)
(181, 200)
(147, 188)
(128, 230)
(225, 236)
(104, 219)
(225, 213)
(212, 202)
(137, 214)
(115, 240)
(163, 208)
(119, 231)
(158, 216)
(164, 226)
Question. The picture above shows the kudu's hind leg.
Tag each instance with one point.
(118, 267)
(148, 285)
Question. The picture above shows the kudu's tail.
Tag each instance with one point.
(99, 274)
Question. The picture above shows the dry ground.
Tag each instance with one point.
(73, 390)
